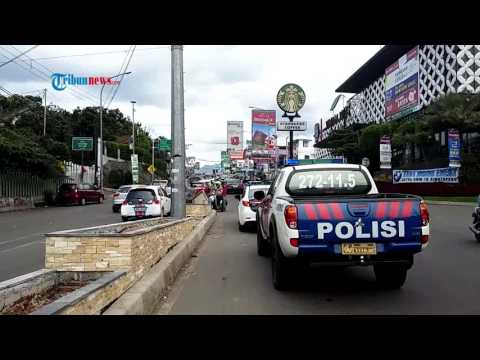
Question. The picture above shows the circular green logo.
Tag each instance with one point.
(290, 98)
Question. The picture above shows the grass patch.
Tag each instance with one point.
(472, 199)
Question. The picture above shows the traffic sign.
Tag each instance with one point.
(82, 144)
(151, 169)
(165, 144)
(283, 125)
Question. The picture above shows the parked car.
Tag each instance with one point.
(120, 195)
(145, 202)
(79, 194)
(247, 205)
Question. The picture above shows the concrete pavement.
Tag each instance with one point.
(22, 244)
(228, 277)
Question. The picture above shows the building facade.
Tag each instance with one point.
(443, 69)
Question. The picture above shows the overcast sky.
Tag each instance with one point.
(221, 82)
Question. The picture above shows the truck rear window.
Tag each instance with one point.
(328, 182)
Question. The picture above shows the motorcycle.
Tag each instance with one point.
(217, 201)
(475, 227)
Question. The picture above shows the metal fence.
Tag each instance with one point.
(22, 185)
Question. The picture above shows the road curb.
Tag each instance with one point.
(450, 203)
(144, 297)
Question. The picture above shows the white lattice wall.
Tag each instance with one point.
(443, 69)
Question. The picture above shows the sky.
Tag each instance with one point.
(220, 83)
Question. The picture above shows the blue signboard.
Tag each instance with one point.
(445, 175)
(454, 147)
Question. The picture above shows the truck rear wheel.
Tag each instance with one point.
(390, 276)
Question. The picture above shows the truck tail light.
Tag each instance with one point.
(157, 202)
(294, 242)
(125, 202)
(246, 203)
(425, 216)
(291, 216)
(115, 195)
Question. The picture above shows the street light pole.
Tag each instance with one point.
(100, 151)
(45, 112)
(178, 133)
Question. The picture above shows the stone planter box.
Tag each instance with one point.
(199, 210)
(100, 290)
(131, 246)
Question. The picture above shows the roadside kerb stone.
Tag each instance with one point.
(144, 296)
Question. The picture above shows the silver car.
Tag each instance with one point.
(120, 195)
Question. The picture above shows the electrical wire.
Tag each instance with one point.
(42, 77)
(100, 53)
(112, 88)
(46, 76)
(50, 72)
(121, 78)
(16, 57)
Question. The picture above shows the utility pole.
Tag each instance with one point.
(178, 133)
(45, 112)
(133, 123)
(153, 159)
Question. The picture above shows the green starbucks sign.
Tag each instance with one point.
(82, 144)
(291, 98)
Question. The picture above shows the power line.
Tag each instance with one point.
(39, 76)
(46, 76)
(16, 57)
(121, 79)
(50, 72)
(112, 89)
(99, 53)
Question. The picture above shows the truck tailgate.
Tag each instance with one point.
(393, 224)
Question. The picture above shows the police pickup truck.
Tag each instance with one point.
(333, 215)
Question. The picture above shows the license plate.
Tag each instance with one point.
(140, 211)
(359, 249)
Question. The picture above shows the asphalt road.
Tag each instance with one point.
(228, 277)
(22, 240)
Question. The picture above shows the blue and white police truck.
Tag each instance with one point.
(333, 215)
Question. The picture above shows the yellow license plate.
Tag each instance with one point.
(359, 249)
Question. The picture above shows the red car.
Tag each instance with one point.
(79, 194)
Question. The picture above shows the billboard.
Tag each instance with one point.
(453, 148)
(444, 175)
(263, 130)
(402, 86)
(235, 139)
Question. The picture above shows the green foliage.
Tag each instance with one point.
(23, 143)
(115, 179)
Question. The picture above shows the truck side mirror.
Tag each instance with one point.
(259, 195)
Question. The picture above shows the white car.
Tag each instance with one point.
(120, 195)
(247, 205)
(144, 202)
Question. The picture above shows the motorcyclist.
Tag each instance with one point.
(218, 191)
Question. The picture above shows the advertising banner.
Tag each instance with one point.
(385, 153)
(454, 147)
(263, 130)
(402, 86)
(235, 139)
(444, 175)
